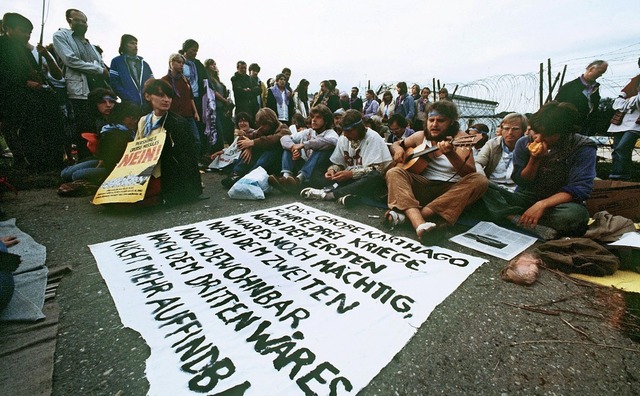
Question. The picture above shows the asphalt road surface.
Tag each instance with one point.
(480, 340)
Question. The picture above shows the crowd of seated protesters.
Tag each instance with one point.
(404, 151)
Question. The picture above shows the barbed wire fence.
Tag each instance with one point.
(520, 92)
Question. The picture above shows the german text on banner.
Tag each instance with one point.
(289, 300)
(128, 181)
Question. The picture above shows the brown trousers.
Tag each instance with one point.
(447, 199)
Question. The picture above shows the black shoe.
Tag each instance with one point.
(349, 201)
(230, 181)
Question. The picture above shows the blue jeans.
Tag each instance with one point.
(84, 171)
(268, 159)
(623, 145)
(318, 162)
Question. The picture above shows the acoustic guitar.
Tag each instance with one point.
(417, 160)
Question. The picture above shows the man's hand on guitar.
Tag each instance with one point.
(445, 147)
(399, 154)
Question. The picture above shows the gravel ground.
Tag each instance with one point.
(478, 341)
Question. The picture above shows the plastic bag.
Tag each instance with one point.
(252, 186)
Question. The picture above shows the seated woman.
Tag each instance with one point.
(359, 159)
(260, 147)
(176, 177)
(223, 158)
(111, 144)
(554, 171)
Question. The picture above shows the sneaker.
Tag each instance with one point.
(349, 200)
(544, 232)
(313, 193)
(6, 153)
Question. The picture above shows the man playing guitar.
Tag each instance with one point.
(434, 195)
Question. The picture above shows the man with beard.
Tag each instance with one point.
(436, 195)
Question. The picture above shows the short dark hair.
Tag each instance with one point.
(556, 118)
(325, 113)
(67, 13)
(398, 119)
(240, 62)
(155, 86)
(189, 43)
(14, 20)
(242, 116)
(124, 110)
(286, 70)
(124, 40)
(254, 66)
(403, 87)
(97, 94)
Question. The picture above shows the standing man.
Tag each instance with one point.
(129, 71)
(287, 73)
(279, 100)
(584, 93)
(254, 70)
(354, 100)
(245, 90)
(405, 105)
(84, 71)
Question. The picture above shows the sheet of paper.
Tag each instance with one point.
(491, 239)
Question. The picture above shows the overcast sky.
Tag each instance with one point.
(462, 42)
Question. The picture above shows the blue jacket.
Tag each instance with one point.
(406, 107)
(122, 82)
(570, 167)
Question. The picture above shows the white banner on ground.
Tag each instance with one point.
(289, 300)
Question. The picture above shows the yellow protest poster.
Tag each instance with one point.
(128, 181)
